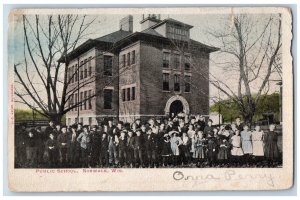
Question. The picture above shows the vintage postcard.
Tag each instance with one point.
(138, 99)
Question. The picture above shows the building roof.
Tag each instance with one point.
(172, 21)
(150, 31)
(114, 36)
(121, 38)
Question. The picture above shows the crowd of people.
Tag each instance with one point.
(171, 142)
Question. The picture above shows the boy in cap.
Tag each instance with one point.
(138, 145)
(51, 146)
(62, 140)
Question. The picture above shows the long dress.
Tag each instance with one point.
(166, 149)
(199, 148)
(257, 142)
(223, 153)
(175, 142)
(271, 148)
(236, 146)
(246, 142)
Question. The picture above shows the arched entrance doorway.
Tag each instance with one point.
(177, 104)
(176, 107)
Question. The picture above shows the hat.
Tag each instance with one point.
(74, 126)
(94, 126)
(138, 130)
(63, 126)
(173, 132)
(85, 126)
(148, 129)
(210, 120)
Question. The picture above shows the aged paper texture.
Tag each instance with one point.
(144, 99)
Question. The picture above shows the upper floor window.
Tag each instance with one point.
(81, 70)
(128, 94)
(108, 98)
(187, 65)
(108, 65)
(81, 100)
(133, 57)
(132, 93)
(177, 82)
(187, 83)
(176, 61)
(128, 58)
(90, 66)
(76, 96)
(76, 73)
(123, 60)
(85, 99)
(90, 99)
(85, 68)
(123, 94)
(72, 74)
(166, 80)
(166, 59)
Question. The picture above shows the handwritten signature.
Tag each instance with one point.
(228, 175)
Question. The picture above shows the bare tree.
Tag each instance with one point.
(42, 80)
(254, 47)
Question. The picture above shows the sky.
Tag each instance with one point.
(202, 25)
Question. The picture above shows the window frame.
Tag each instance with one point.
(176, 82)
(166, 76)
(111, 99)
(105, 65)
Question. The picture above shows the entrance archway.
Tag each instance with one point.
(177, 104)
(176, 107)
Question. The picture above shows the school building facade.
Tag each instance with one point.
(129, 75)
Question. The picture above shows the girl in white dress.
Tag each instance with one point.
(236, 144)
(257, 142)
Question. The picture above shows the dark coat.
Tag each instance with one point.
(138, 142)
(271, 147)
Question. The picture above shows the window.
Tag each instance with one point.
(81, 99)
(187, 65)
(123, 60)
(133, 57)
(76, 101)
(187, 83)
(85, 68)
(176, 82)
(124, 94)
(72, 74)
(108, 98)
(90, 99)
(133, 93)
(90, 66)
(176, 61)
(85, 97)
(128, 58)
(72, 100)
(90, 121)
(166, 81)
(69, 121)
(166, 59)
(128, 94)
(81, 70)
(107, 65)
(76, 72)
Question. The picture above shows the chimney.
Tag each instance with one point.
(126, 23)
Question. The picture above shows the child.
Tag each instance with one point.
(175, 143)
(122, 149)
(51, 146)
(246, 142)
(211, 149)
(84, 140)
(200, 143)
(104, 150)
(166, 150)
(185, 148)
(236, 150)
(31, 148)
(257, 142)
(138, 144)
(224, 148)
(130, 149)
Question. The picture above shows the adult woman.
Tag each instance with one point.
(270, 140)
